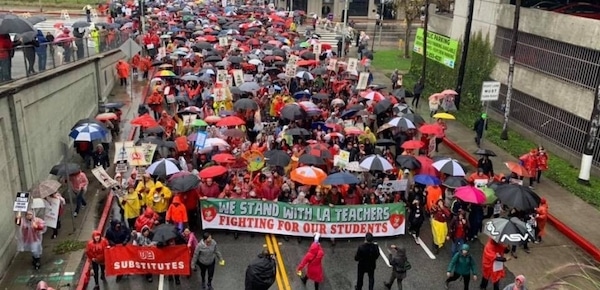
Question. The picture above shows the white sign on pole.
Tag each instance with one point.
(490, 91)
(21, 202)
(130, 48)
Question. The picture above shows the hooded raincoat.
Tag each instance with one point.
(30, 234)
(94, 251)
(313, 262)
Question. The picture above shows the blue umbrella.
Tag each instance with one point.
(318, 125)
(427, 179)
(301, 94)
(348, 113)
(341, 178)
(88, 132)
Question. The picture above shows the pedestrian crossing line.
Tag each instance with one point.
(384, 257)
(426, 249)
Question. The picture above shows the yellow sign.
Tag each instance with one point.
(256, 161)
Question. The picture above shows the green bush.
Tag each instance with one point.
(480, 63)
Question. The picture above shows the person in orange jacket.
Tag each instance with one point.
(542, 162)
(479, 175)
(530, 162)
(135, 63)
(144, 66)
(123, 71)
(94, 251)
(541, 218)
(177, 214)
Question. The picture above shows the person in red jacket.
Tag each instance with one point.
(149, 218)
(530, 162)
(95, 253)
(313, 263)
(6, 47)
(542, 163)
(177, 214)
(270, 192)
(190, 200)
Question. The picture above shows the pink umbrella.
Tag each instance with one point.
(470, 194)
(436, 97)
(449, 92)
(62, 39)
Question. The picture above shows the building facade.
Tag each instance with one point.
(357, 8)
(556, 72)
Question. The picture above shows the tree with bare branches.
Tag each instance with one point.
(412, 11)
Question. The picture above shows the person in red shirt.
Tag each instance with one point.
(317, 198)
(530, 162)
(542, 162)
(270, 191)
(95, 253)
(5, 57)
(209, 189)
(459, 226)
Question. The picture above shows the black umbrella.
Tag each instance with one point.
(184, 183)
(485, 152)
(309, 159)
(80, 24)
(36, 19)
(154, 130)
(235, 59)
(261, 272)
(245, 104)
(292, 112)
(319, 71)
(298, 132)
(455, 182)
(115, 105)
(163, 233)
(508, 231)
(236, 91)
(277, 158)
(382, 106)
(399, 93)
(385, 142)
(65, 169)
(204, 45)
(213, 58)
(517, 196)
(308, 55)
(320, 96)
(408, 162)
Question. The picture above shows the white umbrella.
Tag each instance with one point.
(376, 163)
(212, 142)
(449, 166)
(255, 61)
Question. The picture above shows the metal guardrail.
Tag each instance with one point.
(27, 60)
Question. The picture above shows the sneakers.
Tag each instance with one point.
(75, 214)
(446, 284)
(388, 286)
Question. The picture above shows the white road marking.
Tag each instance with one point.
(384, 257)
(161, 282)
(426, 249)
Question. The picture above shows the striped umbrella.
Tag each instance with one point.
(376, 163)
(449, 166)
(88, 132)
(402, 123)
(163, 167)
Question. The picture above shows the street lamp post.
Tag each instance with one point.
(345, 28)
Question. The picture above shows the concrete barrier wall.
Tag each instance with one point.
(36, 115)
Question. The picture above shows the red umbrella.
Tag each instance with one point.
(426, 165)
(230, 121)
(144, 121)
(223, 158)
(212, 171)
(412, 144)
(430, 129)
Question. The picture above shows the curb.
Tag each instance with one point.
(83, 279)
(590, 248)
(43, 12)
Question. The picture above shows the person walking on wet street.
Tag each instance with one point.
(206, 256)
(30, 236)
(462, 266)
(94, 251)
(519, 284)
(400, 265)
(366, 256)
(116, 235)
(261, 272)
(313, 261)
(79, 184)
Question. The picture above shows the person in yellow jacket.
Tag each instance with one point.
(145, 185)
(131, 203)
(158, 199)
(95, 34)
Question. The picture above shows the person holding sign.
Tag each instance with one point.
(30, 236)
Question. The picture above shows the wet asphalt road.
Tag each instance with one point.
(338, 263)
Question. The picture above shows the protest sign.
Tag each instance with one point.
(303, 220)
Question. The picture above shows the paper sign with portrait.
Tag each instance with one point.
(222, 77)
(290, 70)
(104, 178)
(480, 182)
(292, 60)
(363, 81)
(317, 50)
(238, 77)
(189, 119)
(51, 211)
(223, 41)
(332, 65)
(136, 156)
(352, 64)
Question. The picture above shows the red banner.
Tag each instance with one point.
(135, 260)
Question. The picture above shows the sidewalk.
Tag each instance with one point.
(557, 249)
(48, 11)
(62, 271)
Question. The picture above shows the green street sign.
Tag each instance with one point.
(440, 48)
